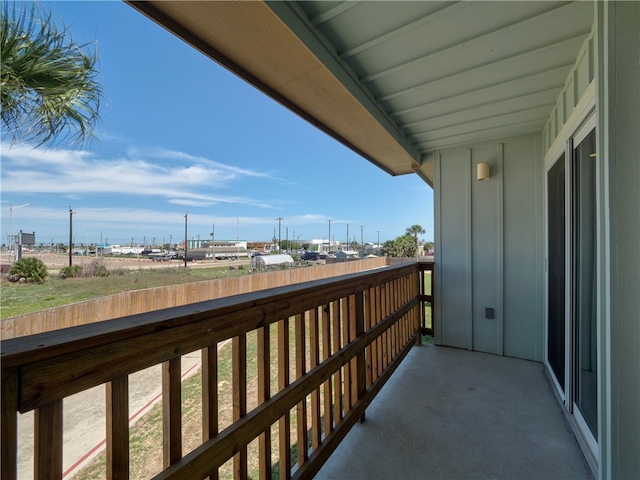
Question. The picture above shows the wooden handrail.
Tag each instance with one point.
(360, 326)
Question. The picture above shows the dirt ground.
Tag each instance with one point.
(55, 262)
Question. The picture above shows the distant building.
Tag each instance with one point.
(264, 262)
(347, 254)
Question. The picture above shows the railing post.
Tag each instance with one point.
(239, 376)
(210, 395)
(9, 425)
(417, 290)
(264, 393)
(117, 404)
(301, 409)
(314, 361)
(284, 424)
(361, 374)
(171, 411)
(48, 441)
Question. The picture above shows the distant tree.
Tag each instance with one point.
(403, 246)
(429, 246)
(48, 88)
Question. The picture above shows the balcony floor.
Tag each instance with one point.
(453, 414)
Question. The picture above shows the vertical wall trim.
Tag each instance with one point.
(540, 176)
(469, 240)
(500, 247)
(437, 204)
(603, 251)
(568, 270)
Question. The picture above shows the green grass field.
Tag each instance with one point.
(18, 299)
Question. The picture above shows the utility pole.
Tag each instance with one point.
(378, 242)
(279, 219)
(348, 237)
(287, 241)
(185, 238)
(329, 237)
(362, 238)
(70, 237)
(213, 242)
(238, 239)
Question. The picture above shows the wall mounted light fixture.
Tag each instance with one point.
(484, 173)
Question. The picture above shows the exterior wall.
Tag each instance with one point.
(489, 248)
(618, 137)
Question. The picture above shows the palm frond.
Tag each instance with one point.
(49, 89)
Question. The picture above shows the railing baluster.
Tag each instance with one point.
(393, 329)
(361, 379)
(326, 353)
(239, 373)
(346, 336)
(383, 338)
(371, 351)
(314, 346)
(337, 386)
(284, 424)
(264, 392)
(353, 332)
(171, 411)
(117, 416)
(9, 425)
(210, 395)
(374, 345)
(47, 440)
(301, 410)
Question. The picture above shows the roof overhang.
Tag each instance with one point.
(394, 81)
(250, 40)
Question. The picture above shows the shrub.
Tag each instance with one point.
(32, 270)
(118, 271)
(70, 271)
(95, 268)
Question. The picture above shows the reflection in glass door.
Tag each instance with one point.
(584, 282)
(556, 304)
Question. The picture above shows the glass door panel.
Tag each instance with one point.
(556, 305)
(584, 292)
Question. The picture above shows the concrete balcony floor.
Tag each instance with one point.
(453, 414)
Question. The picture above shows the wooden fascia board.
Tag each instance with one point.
(363, 133)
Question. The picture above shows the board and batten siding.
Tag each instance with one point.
(489, 248)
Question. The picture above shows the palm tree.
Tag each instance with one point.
(415, 230)
(49, 89)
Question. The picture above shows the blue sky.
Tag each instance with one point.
(181, 134)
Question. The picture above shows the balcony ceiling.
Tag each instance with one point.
(395, 80)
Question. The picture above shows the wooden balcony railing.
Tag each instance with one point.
(334, 343)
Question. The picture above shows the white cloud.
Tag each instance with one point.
(178, 177)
